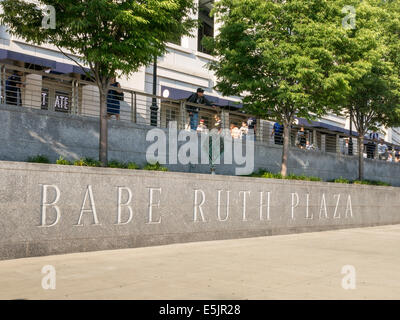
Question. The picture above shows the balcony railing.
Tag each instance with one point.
(65, 94)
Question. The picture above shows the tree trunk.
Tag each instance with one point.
(361, 157)
(103, 142)
(285, 149)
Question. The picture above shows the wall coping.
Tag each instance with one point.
(27, 166)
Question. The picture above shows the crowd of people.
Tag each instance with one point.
(200, 126)
(377, 149)
(236, 132)
(301, 138)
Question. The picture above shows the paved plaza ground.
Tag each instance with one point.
(297, 266)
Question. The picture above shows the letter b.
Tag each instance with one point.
(45, 205)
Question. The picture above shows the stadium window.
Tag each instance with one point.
(206, 27)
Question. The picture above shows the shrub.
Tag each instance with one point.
(62, 161)
(302, 177)
(262, 173)
(372, 183)
(311, 178)
(80, 163)
(155, 167)
(341, 180)
(270, 175)
(132, 166)
(39, 159)
(87, 162)
(117, 164)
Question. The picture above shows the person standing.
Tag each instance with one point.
(301, 138)
(113, 100)
(382, 150)
(244, 130)
(371, 145)
(252, 125)
(277, 132)
(202, 128)
(193, 111)
(235, 132)
(13, 89)
(218, 123)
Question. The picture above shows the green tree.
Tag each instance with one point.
(369, 60)
(110, 37)
(279, 56)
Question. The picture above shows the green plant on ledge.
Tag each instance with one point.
(122, 165)
(62, 161)
(39, 159)
(132, 166)
(372, 183)
(87, 162)
(155, 167)
(364, 182)
(117, 164)
(341, 180)
(269, 175)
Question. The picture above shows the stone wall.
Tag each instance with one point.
(51, 209)
(28, 132)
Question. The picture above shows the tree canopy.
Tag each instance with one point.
(280, 57)
(107, 36)
(369, 61)
(303, 59)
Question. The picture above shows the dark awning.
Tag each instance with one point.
(178, 94)
(55, 66)
(322, 125)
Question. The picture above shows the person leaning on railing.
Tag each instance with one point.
(382, 150)
(193, 111)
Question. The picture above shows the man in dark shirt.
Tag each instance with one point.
(197, 98)
(371, 145)
(113, 100)
(13, 89)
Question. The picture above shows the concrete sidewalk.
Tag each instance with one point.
(298, 266)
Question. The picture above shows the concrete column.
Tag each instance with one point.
(315, 140)
(225, 119)
(32, 92)
(190, 42)
(323, 142)
(337, 144)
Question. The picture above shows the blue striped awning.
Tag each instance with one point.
(56, 67)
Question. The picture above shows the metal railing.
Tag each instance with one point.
(60, 93)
